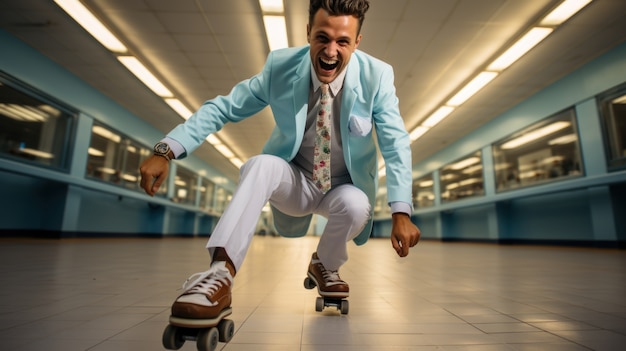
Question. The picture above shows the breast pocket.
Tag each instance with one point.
(360, 126)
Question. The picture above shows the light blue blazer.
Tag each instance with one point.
(369, 102)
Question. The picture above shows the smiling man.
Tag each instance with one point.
(327, 98)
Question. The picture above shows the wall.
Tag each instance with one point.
(41, 201)
(585, 211)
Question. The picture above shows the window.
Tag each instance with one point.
(206, 195)
(222, 198)
(462, 179)
(185, 185)
(545, 151)
(32, 127)
(423, 192)
(613, 113)
(381, 206)
(115, 159)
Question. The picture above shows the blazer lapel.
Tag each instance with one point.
(300, 87)
(351, 88)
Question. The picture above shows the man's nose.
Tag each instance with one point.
(331, 49)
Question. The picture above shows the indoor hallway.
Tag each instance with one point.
(115, 294)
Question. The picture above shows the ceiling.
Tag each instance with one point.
(201, 48)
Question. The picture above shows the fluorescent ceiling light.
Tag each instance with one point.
(565, 139)
(563, 12)
(179, 107)
(426, 184)
(95, 152)
(470, 181)
(449, 176)
(91, 24)
(236, 161)
(129, 178)
(521, 47)
(224, 150)
(465, 163)
(22, 113)
(213, 140)
(536, 134)
(472, 88)
(272, 6)
(105, 133)
(276, 31)
(49, 110)
(418, 132)
(107, 170)
(437, 116)
(452, 186)
(36, 153)
(620, 100)
(473, 169)
(144, 75)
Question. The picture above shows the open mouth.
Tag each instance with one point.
(328, 65)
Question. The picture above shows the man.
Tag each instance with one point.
(325, 92)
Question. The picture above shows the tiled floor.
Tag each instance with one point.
(114, 295)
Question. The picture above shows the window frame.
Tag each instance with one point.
(607, 121)
(68, 137)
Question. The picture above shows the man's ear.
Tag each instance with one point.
(308, 34)
(358, 40)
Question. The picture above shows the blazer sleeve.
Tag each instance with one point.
(393, 140)
(244, 100)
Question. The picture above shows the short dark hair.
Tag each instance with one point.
(356, 8)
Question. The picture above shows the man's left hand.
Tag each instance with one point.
(404, 234)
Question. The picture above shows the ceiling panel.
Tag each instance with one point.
(201, 48)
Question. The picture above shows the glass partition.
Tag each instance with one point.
(32, 127)
(222, 198)
(423, 192)
(613, 113)
(185, 185)
(545, 151)
(207, 190)
(115, 159)
(462, 179)
(381, 206)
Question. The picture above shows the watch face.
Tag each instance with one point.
(161, 148)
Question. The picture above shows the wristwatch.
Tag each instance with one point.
(162, 149)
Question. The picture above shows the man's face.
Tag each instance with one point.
(333, 39)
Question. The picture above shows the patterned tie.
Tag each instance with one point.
(321, 153)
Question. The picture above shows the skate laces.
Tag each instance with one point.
(208, 282)
(331, 276)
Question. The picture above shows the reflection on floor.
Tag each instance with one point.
(114, 295)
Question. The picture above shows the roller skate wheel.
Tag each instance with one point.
(207, 339)
(319, 304)
(345, 306)
(172, 338)
(226, 329)
(309, 283)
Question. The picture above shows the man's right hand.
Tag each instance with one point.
(154, 171)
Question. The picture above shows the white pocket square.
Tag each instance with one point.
(360, 126)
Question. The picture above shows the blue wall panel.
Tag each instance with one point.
(181, 223)
(31, 203)
(108, 213)
(428, 225)
(561, 217)
(468, 223)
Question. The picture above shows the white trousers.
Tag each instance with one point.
(269, 178)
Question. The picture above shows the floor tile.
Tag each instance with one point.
(115, 294)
